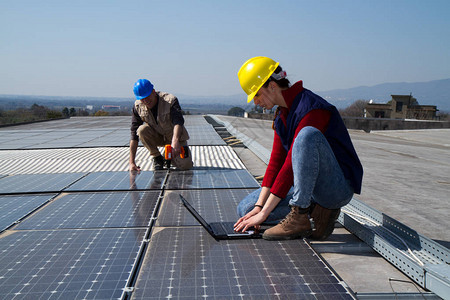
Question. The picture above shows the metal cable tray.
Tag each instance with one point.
(420, 258)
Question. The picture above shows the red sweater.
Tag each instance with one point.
(279, 176)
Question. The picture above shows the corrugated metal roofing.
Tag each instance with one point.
(103, 159)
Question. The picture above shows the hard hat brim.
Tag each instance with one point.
(251, 96)
(144, 96)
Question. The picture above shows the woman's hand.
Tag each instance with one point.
(253, 219)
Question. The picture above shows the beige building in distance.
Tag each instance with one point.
(401, 107)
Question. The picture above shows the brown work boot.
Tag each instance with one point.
(296, 225)
(158, 162)
(323, 219)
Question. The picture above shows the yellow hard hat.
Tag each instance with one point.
(254, 73)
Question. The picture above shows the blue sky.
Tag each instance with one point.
(100, 48)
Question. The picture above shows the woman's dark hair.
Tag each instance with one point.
(282, 83)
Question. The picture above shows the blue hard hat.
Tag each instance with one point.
(142, 89)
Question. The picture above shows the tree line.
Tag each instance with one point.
(41, 113)
(34, 113)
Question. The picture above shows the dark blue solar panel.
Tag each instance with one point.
(27, 183)
(212, 205)
(211, 179)
(14, 208)
(67, 264)
(110, 181)
(95, 210)
(188, 263)
(54, 137)
(204, 135)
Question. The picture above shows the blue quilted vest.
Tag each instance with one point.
(336, 134)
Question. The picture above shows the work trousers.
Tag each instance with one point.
(318, 178)
(151, 139)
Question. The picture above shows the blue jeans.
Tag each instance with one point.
(318, 178)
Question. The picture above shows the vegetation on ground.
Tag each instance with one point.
(32, 114)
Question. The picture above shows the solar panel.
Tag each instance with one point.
(194, 120)
(212, 205)
(67, 264)
(36, 183)
(204, 135)
(188, 263)
(211, 179)
(57, 138)
(95, 210)
(14, 208)
(123, 180)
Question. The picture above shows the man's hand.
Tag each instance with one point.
(134, 167)
(176, 148)
(133, 150)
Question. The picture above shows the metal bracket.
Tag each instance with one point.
(420, 258)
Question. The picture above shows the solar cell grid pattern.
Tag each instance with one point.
(194, 120)
(211, 179)
(110, 181)
(14, 208)
(75, 123)
(57, 138)
(67, 264)
(204, 135)
(212, 205)
(28, 183)
(186, 263)
(95, 210)
(92, 132)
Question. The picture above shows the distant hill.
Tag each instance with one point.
(436, 92)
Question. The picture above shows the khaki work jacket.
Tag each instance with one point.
(164, 124)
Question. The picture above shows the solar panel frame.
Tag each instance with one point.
(119, 181)
(209, 178)
(94, 210)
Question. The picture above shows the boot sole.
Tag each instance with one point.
(287, 237)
